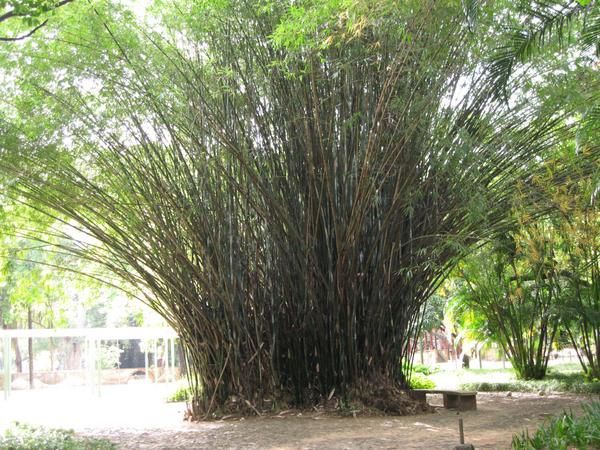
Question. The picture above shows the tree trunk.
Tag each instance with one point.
(18, 357)
(73, 360)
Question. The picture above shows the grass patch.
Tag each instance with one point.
(558, 379)
(425, 370)
(26, 437)
(564, 432)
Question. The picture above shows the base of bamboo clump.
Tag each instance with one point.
(365, 399)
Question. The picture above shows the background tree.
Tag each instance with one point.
(539, 28)
(41, 287)
(30, 15)
(518, 293)
(474, 326)
(576, 222)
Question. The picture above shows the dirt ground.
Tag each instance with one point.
(491, 427)
(137, 417)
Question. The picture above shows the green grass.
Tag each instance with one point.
(564, 432)
(566, 377)
(26, 437)
(425, 370)
(534, 386)
(560, 378)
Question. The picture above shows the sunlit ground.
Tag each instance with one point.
(142, 404)
(130, 414)
(137, 416)
(134, 405)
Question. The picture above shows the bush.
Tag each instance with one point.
(420, 381)
(182, 394)
(589, 376)
(109, 356)
(425, 370)
(27, 437)
(565, 431)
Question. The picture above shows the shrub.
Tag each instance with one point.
(27, 437)
(420, 381)
(425, 370)
(589, 377)
(565, 431)
(182, 394)
(109, 356)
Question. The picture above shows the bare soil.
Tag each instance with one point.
(492, 426)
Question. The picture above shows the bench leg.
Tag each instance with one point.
(451, 401)
(419, 396)
(460, 402)
(468, 403)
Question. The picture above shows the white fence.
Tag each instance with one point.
(93, 339)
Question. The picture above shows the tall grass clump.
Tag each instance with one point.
(564, 432)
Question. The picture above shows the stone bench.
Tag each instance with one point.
(460, 400)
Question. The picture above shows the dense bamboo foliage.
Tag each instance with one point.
(289, 196)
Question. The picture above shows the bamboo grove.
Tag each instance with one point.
(288, 205)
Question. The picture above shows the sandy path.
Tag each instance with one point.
(136, 417)
(498, 417)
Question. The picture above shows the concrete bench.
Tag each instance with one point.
(460, 400)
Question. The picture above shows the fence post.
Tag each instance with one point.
(88, 361)
(172, 340)
(166, 359)
(98, 366)
(7, 366)
(146, 360)
(156, 360)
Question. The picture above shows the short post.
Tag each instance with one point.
(6, 358)
(461, 433)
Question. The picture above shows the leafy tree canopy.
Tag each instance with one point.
(30, 15)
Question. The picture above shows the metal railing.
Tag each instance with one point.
(93, 339)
